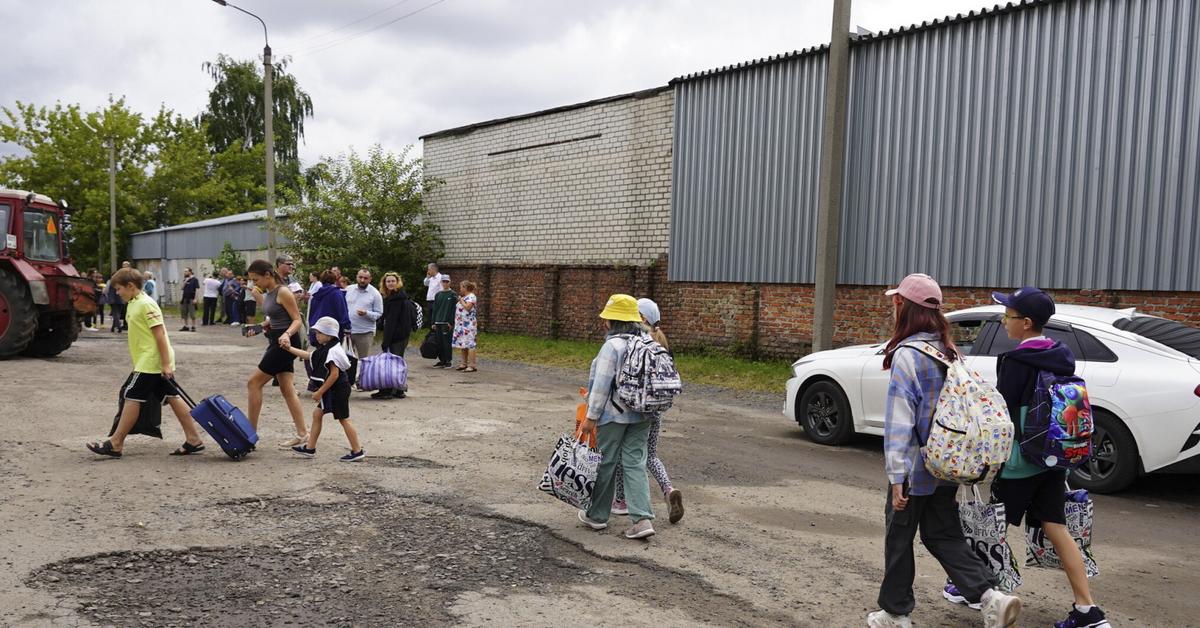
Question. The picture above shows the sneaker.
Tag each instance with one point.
(951, 592)
(293, 443)
(304, 451)
(619, 507)
(674, 506)
(400, 395)
(640, 530)
(1000, 610)
(884, 619)
(1094, 618)
(355, 456)
(184, 328)
(234, 324)
(383, 394)
(595, 525)
(193, 328)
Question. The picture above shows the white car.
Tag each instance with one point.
(1142, 373)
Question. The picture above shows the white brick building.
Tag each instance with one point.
(581, 184)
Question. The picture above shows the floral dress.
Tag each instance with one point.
(465, 325)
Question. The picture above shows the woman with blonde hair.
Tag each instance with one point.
(465, 326)
(397, 323)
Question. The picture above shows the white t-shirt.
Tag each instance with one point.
(434, 284)
(212, 287)
(337, 355)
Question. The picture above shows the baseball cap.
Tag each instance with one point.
(920, 289)
(649, 311)
(1030, 302)
(445, 277)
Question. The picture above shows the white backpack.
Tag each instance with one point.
(647, 380)
(971, 434)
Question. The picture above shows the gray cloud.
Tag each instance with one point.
(460, 62)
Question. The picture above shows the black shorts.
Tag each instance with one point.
(276, 359)
(1041, 498)
(336, 401)
(147, 387)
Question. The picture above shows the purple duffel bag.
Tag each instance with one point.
(383, 371)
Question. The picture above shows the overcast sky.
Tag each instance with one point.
(455, 63)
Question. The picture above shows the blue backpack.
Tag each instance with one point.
(1058, 426)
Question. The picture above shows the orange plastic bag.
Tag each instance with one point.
(580, 417)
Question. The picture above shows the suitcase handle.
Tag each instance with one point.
(186, 397)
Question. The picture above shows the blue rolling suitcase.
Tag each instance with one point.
(224, 422)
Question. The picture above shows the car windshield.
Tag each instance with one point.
(41, 233)
(1175, 335)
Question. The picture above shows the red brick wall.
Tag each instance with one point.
(749, 319)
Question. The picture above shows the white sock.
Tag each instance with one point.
(1082, 608)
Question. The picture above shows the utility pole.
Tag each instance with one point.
(269, 139)
(269, 130)
(833, 165)
(112, 205)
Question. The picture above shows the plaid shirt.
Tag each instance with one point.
(601, 384)
(912, 395)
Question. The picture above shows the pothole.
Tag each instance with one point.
(404, 462)
(378, 559)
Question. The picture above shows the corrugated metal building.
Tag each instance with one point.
(167, 251)
(1052, 142)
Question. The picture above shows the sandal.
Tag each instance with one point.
(461, 368)
(104, 449)
(470, 369)
(187, 449)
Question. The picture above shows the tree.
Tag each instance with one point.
(229, 258)
(234, 115)
(365, 211)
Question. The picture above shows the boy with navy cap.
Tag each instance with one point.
(1030, 491)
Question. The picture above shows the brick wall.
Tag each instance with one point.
(539, 189)
(769, 320)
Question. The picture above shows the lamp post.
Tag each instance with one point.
(111, 144)
(269, 124)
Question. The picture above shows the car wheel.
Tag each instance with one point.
(824, 414)
(1114, 462)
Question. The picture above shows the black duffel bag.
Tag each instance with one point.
(429, 346)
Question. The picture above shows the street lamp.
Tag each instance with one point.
(269, 123)
(111, 143)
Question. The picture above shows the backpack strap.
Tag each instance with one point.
(929, 350)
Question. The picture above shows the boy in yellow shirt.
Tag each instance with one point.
(153, 367)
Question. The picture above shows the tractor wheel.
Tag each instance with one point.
(54, 335)
(18, 315)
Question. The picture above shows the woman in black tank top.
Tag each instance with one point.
(280, 306)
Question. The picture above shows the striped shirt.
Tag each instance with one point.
(911, 398)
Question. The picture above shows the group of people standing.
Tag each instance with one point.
(228, 299)
(454, 319)
(106, 295)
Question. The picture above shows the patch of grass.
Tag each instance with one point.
(706, 368)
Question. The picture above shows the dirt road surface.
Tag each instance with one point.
(442, 525)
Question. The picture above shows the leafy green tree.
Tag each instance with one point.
(229, 258)
(365, 210)
(65, 156)
(234, 115)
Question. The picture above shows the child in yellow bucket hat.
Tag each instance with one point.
(621, 307)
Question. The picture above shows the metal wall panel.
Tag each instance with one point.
(202, 242)
(1055, 143)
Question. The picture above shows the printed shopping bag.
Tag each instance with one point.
(986, 529)
(383, 371)
(571, 473)
(1039, 551)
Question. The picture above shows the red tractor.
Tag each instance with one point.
(41, 293)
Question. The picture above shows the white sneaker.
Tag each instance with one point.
(619, 508)
(884, 619)
(234, 324)
(1000, 610)
(640, 530)
(595, 525)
